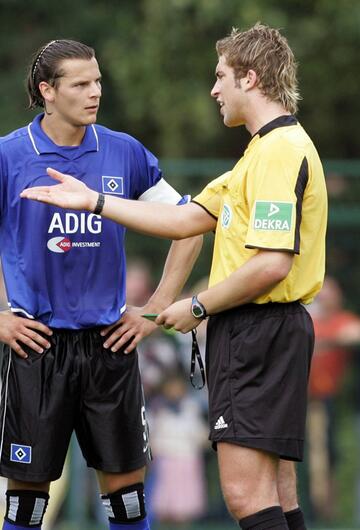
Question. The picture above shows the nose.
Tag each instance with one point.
(215, 90)
(95, 90)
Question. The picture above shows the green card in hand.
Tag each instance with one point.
(150, 316)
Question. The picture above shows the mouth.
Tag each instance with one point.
(94, 108)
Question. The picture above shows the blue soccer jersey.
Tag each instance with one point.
(67, 268)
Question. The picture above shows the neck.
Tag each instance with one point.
(61, 133)
(262, 112)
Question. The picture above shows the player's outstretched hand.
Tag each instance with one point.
(129, 330)
(70, 193)
(15, 330)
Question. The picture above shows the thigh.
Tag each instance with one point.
(112, 428)
(37, 414)
(248, 478)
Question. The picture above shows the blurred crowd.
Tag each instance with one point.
(180, 482)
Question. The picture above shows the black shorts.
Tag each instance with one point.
(75, 385)
(258, 360)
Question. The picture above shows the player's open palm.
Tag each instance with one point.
(70, 193)
(16, 331)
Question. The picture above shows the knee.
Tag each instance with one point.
(247, 497)
(125, 506)
(235, 499)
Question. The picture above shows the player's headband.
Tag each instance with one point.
(39, 57)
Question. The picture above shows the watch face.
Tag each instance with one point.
(197, 311)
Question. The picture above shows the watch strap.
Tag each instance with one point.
(196, 302)
(100, 204)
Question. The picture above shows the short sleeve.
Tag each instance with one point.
(145, 171)
(210, 198)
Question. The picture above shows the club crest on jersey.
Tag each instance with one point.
(113, 185)
(20, 453)
(274, 216)
(226, 216)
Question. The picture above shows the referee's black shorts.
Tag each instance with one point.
(258, 360)
(74, 385)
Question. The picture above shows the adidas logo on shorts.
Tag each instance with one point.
(220, 424)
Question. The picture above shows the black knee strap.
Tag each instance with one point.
(26, 507)
(126, 504)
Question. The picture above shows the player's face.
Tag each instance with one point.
(229, 94)
(76, 98)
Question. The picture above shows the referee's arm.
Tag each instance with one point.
(259, 275)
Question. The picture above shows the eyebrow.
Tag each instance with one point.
(80, 79)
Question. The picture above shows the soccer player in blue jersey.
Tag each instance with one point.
(68, 329)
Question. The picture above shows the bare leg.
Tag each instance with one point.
(111, 482)
(33, 486)
(286, 485)
(248, 479)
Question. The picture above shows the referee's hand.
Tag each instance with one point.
(16, 331)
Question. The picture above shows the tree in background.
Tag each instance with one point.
(158, 57)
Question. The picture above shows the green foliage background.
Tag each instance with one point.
(158, 58)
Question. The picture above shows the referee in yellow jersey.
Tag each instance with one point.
(269, 214)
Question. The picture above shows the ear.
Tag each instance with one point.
(251, 80)
(47, 91)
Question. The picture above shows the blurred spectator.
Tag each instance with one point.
(178, 438)
(139, 284)
(334, 329)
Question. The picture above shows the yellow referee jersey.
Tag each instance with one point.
(274, 199)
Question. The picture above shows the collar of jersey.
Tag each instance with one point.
(42, 144)
(281, 121)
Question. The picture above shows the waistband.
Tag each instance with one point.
(269, 307)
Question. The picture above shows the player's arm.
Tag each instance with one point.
(131, 328)
(16, 331)
(158, 219)
(257, 276)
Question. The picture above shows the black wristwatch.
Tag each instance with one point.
(197, 308)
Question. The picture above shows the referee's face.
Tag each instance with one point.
(76, 98)
(229, 94)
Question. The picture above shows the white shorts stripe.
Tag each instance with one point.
(6, 383)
